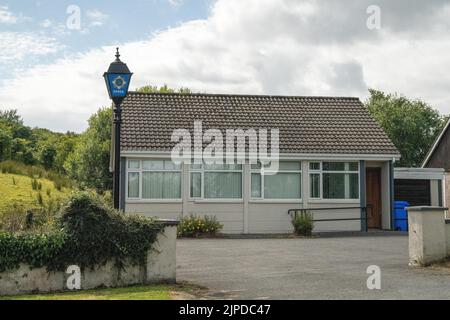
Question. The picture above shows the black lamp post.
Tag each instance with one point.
(117, 80)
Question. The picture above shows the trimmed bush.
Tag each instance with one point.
(303, 223)
(195, 226)
(89, 234)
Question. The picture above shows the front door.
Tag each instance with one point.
(373, 197)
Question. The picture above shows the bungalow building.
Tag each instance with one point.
(334, 159)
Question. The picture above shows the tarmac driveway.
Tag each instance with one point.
(321, 268)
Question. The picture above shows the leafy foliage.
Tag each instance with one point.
(36, 250)
(412, 125)
(88, 163)
(303, 223)
(163, 89)
(89, 234)
(195, 226)
(33, 146)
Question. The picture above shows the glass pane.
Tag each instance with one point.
(223, 185)
(153, 164)
(196, 166)
(223, 166)
(161, 185)
(133, 164)
(333, 166)
(354, 186)
(196, 185)
(256, 166)
(169, 165)
(353, 166)
(133, 184)
(314, 166)
(314, 185)
(256, 185)
(334, 186)
(282, 186)
(290, 165)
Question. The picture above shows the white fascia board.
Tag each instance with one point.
(419, 173)
(435, 144)
(283, 156)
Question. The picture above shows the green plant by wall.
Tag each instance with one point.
(195, 226)
(89, 234)
(303, 223)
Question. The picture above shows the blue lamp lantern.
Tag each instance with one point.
(117, 79)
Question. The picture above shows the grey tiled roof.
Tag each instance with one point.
(307, 124)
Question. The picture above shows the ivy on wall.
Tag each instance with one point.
(89, 234)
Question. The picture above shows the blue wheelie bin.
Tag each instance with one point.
(400, 216)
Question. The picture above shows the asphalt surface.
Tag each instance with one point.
(320, 268)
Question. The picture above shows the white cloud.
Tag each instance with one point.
(6, 16)
(18, 45)
(45, 23)
(257, 47)
(175, 3)
(97, 18)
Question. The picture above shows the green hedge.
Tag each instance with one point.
(91, 233)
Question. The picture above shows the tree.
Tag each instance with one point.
(163, 89)
(412, 125)
(64, 147)
(89, 161)
(11, 116)
(5, 144)
(47, 156)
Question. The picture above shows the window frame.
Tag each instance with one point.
(260, 171)
(202, 171)
(141, 170)
(320, 171)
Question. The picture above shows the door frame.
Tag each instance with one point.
(378, 170)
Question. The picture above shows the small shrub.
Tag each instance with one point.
(195, 226)
(303, 223)
(34, 184)
(39, 198)
(58, 185)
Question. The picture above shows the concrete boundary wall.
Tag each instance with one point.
(160, 267)
(429, 235)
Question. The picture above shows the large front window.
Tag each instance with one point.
(153, 179)
(216, 181)
(334, 180)
(285, 184)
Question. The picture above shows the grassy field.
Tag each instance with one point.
(149, 292)
(17, 188)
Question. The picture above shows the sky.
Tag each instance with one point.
(53, 53)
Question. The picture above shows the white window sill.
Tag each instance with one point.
(153, 201)
(337, 201)
(216, 200)
(293, 201)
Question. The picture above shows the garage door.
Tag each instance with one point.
(416, 192)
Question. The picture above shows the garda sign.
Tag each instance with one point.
(118, 84)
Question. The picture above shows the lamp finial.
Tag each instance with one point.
(117, 54)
